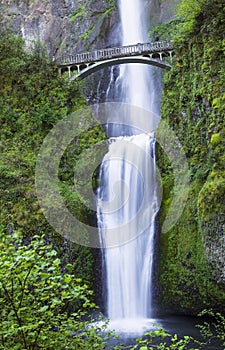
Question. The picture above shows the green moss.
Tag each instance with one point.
(32, 100)
(191, 254)
(211, 197)
(185, 276)
(79, 14)
(215, 140)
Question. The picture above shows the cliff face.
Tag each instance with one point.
(65, 26)
(62, 25)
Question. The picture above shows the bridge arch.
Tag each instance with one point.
(84, 64)
(94, 67)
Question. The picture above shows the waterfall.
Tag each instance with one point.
(127, 195)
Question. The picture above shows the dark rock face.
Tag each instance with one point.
(211, 201)
(66, 26)
(62, 25)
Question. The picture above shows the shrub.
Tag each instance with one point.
(41, 307)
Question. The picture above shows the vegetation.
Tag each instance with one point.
(42, 304)
(191, 267)
(44, 301)
(162, 340)
(212, 333)
(34, 97)
(43, 284)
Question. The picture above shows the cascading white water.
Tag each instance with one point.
(127, 194)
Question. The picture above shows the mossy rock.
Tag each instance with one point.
(215, 140)
(211, 201)
(211, 197)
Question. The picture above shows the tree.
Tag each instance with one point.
(41, 307)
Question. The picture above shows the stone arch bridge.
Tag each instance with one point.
(158, 53)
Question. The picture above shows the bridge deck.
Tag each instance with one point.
(115, 52)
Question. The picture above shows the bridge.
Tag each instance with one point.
(158, 53)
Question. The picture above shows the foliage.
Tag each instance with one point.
(215, 139)
(159, 339)
(188, 18)
(211, 197)
(212, 333)
(213, 329)
(33, 98)
(187, 12)
(41, 307)
(194, 106)
(164, 31)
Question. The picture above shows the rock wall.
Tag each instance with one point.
(65, 26)
(62, 25)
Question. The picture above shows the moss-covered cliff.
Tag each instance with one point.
(34, 97)
(192, 260)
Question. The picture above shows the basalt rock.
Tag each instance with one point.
(66, 26)
(63, 26)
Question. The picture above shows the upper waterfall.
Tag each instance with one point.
(137, 80)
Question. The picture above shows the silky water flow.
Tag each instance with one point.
(127, 198)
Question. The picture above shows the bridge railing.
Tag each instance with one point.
(114, 52)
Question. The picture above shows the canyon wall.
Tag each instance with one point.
(66, 26)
